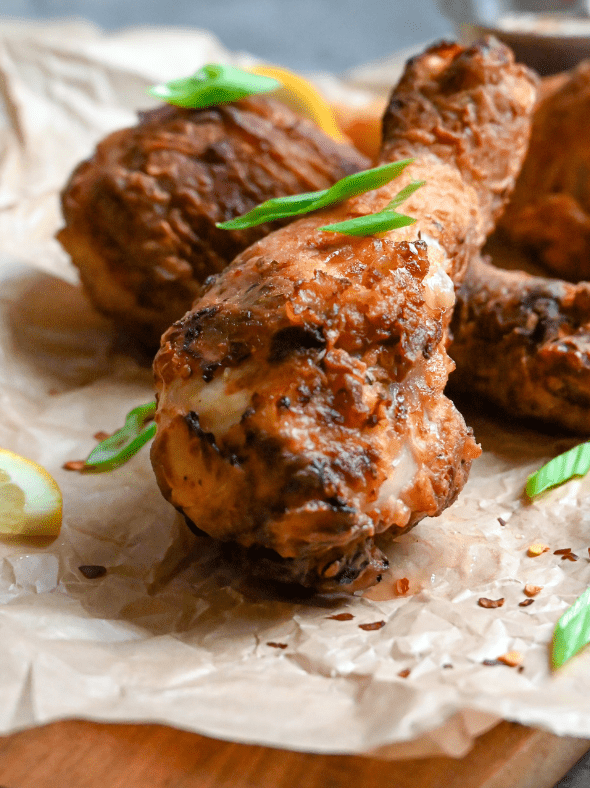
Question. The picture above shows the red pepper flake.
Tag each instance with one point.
(502, 521)
(373, 626)
(569, 557)
(491, 662)
(512, 658)
(402, 586)
(562, 551)
(74, 465)
(483, 602)
(342, 617)
(101, 436)
(447, 665)
(520, 668)
(403, 674)
(277, 645)
(92, 572)
(526, 602)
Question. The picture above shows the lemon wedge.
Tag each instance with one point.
(30, 500)
(302, 96)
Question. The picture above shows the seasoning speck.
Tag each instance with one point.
(101, 436)
(536, 549)
(276, 645)
(511, 658)
(74, 465)
(526, 602)
(92, 572)
(403, 674)
(562, 551)
(447, 665)
(502, 521)
(569, 557)
(483, 602)
(373, 626)
(531, 590)
(402, 586)
(342, 617)
(491, 662)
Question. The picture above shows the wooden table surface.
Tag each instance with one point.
(76, 754)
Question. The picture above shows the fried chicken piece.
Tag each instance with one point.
(140, 213)
(301, 413)
(523, 342)
(550, 209)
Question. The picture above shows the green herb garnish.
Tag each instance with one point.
(380, 222)
(572, 631)
(575, 462)
(213, 84)
(123, 444)
(298, 204)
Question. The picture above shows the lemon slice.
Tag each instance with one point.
(30, 500)
(300, 95)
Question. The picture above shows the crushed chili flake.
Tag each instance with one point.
(526, 602)
(531, 590)
(520, 668)
(276, 645)
(537, 549)
(502, 521)
(562, 551)
(372, 626)
(483, 602)
(569, 557)
(491, 662)
(404, 673)
(342, 617)
(512, 658)
(74, 465)
(447, 665)
(91, 571)
(101, 436)
(402, 586)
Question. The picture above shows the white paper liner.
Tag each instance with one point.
(171, 634)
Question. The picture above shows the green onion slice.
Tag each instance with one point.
(114, 451)
(575, 462)
(298, 204)
(215, 83)
(572, 631)
(380, 222)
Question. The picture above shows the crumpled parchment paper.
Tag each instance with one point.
(171, 633)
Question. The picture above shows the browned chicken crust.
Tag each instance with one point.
(523, 342)
(140, 214)
(550, 209)
(301, 412)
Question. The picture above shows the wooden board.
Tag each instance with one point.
(76, 754)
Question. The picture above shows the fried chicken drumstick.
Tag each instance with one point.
(140, 214)
(549, 212)
(524, 342)
(301, 413)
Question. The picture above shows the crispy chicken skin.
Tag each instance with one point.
(301, 413)
(140, 214)
(550, 209)
(523, 342)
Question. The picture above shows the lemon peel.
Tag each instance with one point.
(30, 499)
(301, 96)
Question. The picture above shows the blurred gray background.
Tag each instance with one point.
(305, 35)
(330, 35)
